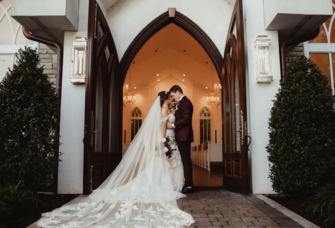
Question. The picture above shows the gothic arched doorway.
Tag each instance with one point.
(230, 69)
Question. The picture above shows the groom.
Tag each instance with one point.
(184, 133)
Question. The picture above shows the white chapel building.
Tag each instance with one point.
(110, 58)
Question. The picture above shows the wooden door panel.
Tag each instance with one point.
(103, 103)
(237, 168)
(228, 168)
(99, 169)
(112, 164)
(235, 151)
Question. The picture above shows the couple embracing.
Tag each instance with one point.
(144, 188)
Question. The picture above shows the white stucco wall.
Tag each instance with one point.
(128, 17)
(70, 174)
(260, 95)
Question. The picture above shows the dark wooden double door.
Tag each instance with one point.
(103, 111)
(234, 107)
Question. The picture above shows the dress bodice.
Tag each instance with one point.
(172, 119)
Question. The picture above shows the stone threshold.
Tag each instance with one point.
(295, 217)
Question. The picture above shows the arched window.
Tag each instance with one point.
(136, 122)
(205, 125)
(321, 49)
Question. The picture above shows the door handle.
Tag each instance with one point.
(249, 141)
(241, 131)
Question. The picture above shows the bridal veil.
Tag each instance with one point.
(138, 193)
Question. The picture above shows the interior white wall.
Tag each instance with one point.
(70, 173)
(199, 102)
(260, 95)
(128, 17)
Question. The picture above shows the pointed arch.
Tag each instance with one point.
(183, 22)
(205, 112)
(136, 113)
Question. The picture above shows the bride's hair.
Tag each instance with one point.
(164, 95)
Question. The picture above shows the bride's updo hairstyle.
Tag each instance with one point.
(164, 95)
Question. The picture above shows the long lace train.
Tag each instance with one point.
(139, 193)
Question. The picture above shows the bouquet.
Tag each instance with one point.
(170, 147)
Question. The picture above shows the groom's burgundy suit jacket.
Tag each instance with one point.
(183, 124)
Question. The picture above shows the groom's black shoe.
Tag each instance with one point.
(187, 190)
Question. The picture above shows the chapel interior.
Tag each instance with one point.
(171, 57)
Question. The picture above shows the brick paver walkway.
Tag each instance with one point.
(221, 208)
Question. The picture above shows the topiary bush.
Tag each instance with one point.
(302, 131)
(28, 107)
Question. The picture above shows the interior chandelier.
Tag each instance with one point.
(128, 99)
(214, 100)
(217, 88)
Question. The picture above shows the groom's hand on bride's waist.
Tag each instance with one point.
(169, 125)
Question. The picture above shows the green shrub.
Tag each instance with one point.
(302, 131)
(322, 204)
(28, 107)
(15, 200)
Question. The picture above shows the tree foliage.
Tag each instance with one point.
(28, 112)
(302, 131)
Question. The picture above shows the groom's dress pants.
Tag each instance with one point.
(185, 153)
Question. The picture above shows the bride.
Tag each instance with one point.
(175, 164)
(143, 189)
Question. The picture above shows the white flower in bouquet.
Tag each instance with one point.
(173, 147)
(165, 149)
(163, 140)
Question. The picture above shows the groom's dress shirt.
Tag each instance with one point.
(177, 107)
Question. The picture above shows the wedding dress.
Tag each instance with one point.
(175, 165)
(138, 194)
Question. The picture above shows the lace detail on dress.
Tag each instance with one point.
(124, 214)
(170, 117)
(176, 168)
(140, 192)
(166, 118)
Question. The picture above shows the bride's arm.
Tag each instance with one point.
(164, 128)
(164, 115)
